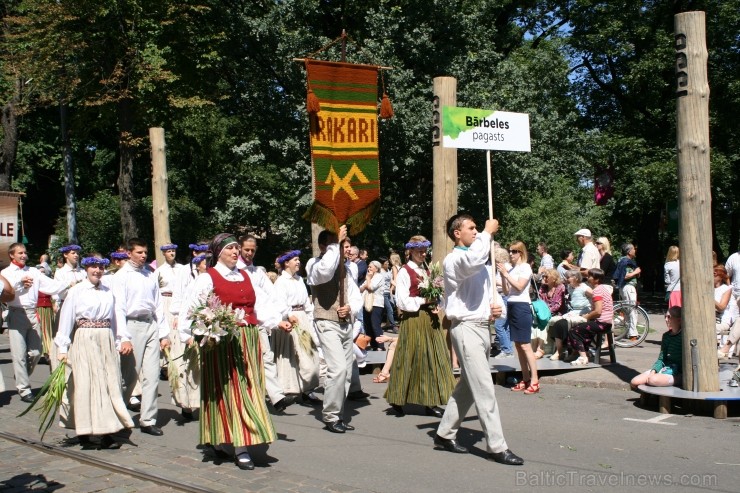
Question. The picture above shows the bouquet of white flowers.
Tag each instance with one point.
(212, 321)
(432, 285)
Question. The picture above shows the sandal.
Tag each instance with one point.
(539, 354)
(532, 389)
(520, 386)
(580, 361)
(381, 378)
(555, 357)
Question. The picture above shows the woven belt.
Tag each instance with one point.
(86, 323)
(140, 318)
(297, 308)
(166, 295)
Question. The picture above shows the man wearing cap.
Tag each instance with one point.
(590, 257)
(258, 277)
(336, 300)
(625, 278)
(145, 332)
(23, 324)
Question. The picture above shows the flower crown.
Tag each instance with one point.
(288, 256)
(198, 248)
(95, 261)
(418, 244)
(119, 255)
(199, 259)
(70, 248)
(169, 246)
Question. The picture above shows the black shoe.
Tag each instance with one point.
(347, 426)
(433, 411)
(152, 430)
(163, 374)
(449, 445)
(336, 427)
(134, 407)
(107, 442)
(187, 415)
(357, 395)
(218, 453)
(283, 403)
(398, 410)
(506, 457)
(27, 397)
(244, 462)
(311, 399)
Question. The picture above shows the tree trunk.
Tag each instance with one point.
(69, 180)
(8, 152)
(126, 169)
(160, 205)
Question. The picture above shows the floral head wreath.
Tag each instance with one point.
(119, 255)
(198, 248)
(169, 246)
(288, 256)
(87, 261)
(418, 244)
(70, 248)
(199, 259)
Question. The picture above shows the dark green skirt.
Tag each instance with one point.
(421, 372)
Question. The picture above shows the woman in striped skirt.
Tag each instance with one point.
(86, 340)
(421, 372)
(233, 409)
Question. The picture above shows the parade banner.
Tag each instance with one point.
(470, 128)
(8, 224)
(344, 144)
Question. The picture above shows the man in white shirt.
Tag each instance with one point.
(143, 330)
(24, 329)
(70, 273)
(590, 257)
(546, 261)
(248, 249)
(470, 304)
(733, 270)
(336, 300)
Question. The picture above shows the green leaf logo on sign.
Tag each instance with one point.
(470, 128)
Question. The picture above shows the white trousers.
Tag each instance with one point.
(472, 344)
(272, 384)
(144, 364)
(629, 296)
(336, 342)
(24, 333)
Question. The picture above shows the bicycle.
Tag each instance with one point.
(620, 325)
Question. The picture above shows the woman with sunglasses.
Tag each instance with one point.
(516, 287)
(667, 368)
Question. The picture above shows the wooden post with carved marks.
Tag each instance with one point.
(695, 231)
(444, 194)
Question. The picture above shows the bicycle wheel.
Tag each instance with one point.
(620, 327)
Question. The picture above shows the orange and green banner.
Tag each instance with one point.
(344, 144)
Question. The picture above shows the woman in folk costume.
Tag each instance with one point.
(296, 352)
(421, 372)
(233, 409)
(186, 389)
(86, 340)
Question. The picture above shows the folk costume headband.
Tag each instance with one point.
(288, 256)
(218, 243)
(88, 261)
(169, 246)
(199, 259)
(198, 248)
(70, 248)
(418, 244)
(119, 255)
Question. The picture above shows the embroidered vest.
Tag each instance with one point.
(414, 276)
(237, 294)
(325, 298)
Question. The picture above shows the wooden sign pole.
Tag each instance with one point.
(160, 206)
(695, 230)
(444, 193)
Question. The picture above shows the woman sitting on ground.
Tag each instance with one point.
(667, 368)
(580, 304)
(598, 320)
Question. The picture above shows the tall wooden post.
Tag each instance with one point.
(444, 195)
(695, 227)
(160, 206)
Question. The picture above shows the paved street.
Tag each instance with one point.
(581, 433)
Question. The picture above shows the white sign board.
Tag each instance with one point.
(470, 128)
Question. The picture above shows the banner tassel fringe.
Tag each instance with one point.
(312, 103)
(386, 110)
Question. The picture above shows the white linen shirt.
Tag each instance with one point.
(376, 287)
(672, 277)
(68, 275)
(291, 291)
(136, 293)
(29, 297)
(590, 257)
(404, 300)
(321, 270)
(267, 311)
(733, 270)
(468, 287)
(84, 300)
(168, 276)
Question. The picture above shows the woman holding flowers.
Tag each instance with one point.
(296, 352)
(225, 309)
(94, 386)
(421, 372)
